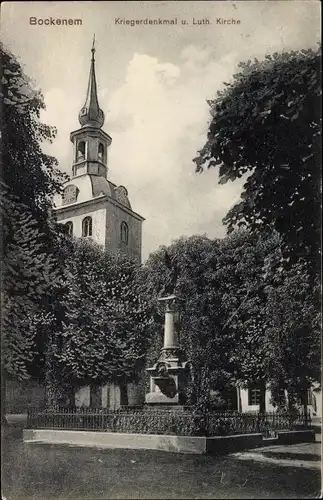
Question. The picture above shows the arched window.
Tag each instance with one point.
(80, 155)
(87, 226)
(69, 228)
(124, 232)
(101, 152)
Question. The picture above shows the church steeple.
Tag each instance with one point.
(91, 114)
(90, 142)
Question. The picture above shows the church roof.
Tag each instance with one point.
(102, 186)
(91, 114)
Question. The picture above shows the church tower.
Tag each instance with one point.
(91, 205)
(90, 142)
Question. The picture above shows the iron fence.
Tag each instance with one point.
(171, 422)
(266, 423)
(16, 409)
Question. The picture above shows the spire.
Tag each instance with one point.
(91, 114)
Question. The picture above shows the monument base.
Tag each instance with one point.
(153, 398)
(170, 389)
(165, 407)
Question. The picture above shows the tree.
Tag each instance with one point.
(201, 286)
(243, 255)
(103, 336)
(30, 275)
(293, 329)
(29, 174)
(266, 124)
(242, 319)
(29, 236)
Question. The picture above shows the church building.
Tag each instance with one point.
(92, 206)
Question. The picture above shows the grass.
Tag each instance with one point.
(48, 472)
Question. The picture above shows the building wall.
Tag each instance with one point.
(317, 394)
(105, 396)
(84, 185)
(106, 220)
(245, 407)
(82, 396)
(77, 214)
(110, 396)
(114, 216)
(113, 402)
(315, 409)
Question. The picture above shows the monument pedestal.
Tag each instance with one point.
(170, 374)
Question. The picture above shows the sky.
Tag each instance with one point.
(153, 83)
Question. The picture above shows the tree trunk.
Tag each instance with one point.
(123, 393)
(69, 396)
(52, 394)
(262, 403)
(3, 398)
(305, 404)
(95, 396)
(192, 387)
(58, 394)
(239, 402)
(203, 392)
(291, 400)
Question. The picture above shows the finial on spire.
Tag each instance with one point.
(91, 114)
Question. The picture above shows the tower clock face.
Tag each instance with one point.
(122, 195)
(70, 194)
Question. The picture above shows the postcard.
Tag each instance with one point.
(161, 243)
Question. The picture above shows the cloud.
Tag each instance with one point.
(194, 54)
(160, 118)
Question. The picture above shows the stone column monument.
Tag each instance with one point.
(169, 375)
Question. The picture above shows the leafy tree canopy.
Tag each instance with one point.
(266, 124)
(103, 335)
(234, 291)
(31, 276)
(293, 329)
(30, 174)
(30, 237)
(217, 279)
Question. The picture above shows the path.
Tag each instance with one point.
(304, 455)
